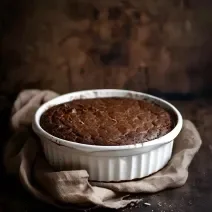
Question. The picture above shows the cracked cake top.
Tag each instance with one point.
(107, 121)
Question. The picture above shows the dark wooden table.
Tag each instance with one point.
(194, 196)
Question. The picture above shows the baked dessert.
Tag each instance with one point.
(107, 121)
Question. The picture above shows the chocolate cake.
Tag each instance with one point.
(107, 121)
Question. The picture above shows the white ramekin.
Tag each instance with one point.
(108, 163)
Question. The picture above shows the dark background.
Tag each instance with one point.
(146, 45)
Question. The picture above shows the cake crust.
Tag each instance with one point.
(107, 121)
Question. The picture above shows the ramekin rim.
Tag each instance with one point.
(159, 141)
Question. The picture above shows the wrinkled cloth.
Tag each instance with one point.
(24, 158)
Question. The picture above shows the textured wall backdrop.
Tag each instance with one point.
(82, 44)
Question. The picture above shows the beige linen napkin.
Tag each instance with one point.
(23, 157)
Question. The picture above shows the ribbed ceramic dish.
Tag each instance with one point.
(108, 163)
